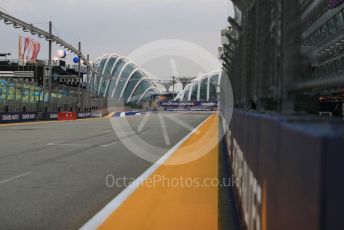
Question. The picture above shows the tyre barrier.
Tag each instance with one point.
(288, 172)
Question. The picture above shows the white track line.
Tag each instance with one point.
(13, 178)
(82, 145)
(107, 145)
(143, 122)
(164, 129)
(101, 216)
(181, 123)
(76, 145)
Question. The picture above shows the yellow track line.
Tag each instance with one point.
(176, 205)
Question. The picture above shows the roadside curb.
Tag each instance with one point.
(127, 114)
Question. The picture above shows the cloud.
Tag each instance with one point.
(107, 26)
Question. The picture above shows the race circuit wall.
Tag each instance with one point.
(288, 171)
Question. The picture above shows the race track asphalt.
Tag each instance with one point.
(53, 175)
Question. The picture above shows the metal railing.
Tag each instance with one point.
(21, 96)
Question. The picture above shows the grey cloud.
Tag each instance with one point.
(107, 26)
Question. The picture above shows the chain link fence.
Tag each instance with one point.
(22, 96)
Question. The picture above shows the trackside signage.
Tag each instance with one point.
(51, 116)
(82, 115)
(10, 117)
(17, 117)
(189, 105)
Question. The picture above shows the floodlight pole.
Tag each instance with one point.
(50, 72)
(79, 76)
(88, 83)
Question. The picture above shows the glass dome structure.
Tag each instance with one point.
(121, 81)
(203, 88)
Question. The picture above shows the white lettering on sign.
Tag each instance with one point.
(84, 114)
(248, 188)
(10, 117)
(54, 116)
(28, 116)
(209, 104)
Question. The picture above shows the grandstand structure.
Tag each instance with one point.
(23, 88)
(203, 88)
(50, 77)
(286, 55)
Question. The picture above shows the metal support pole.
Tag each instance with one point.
(6, 96)
(49, 64)
(43, 87)
(88, 83)
(15, 96)
(29, 99)
(173, 82)
(79, 76)
(21, 98)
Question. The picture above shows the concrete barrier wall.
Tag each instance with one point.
(289, 173)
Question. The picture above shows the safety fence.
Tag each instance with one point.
(288, 170)
(12, 117)
(19, 96)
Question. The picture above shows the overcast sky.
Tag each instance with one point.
(121, 26)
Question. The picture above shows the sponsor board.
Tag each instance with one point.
(96, 114)
(82, 115)
(32, 116)
(17, 117)
(67, 116)
(189, 106)
(51, 116)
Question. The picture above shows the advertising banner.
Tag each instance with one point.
(51, 116)
(189, 106)
(67, 116)
(96, 114)
(17, 117)
(82, 115)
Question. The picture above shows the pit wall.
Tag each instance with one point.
(289, 172)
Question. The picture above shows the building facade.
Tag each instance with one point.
(121, 81)
(323, 44)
